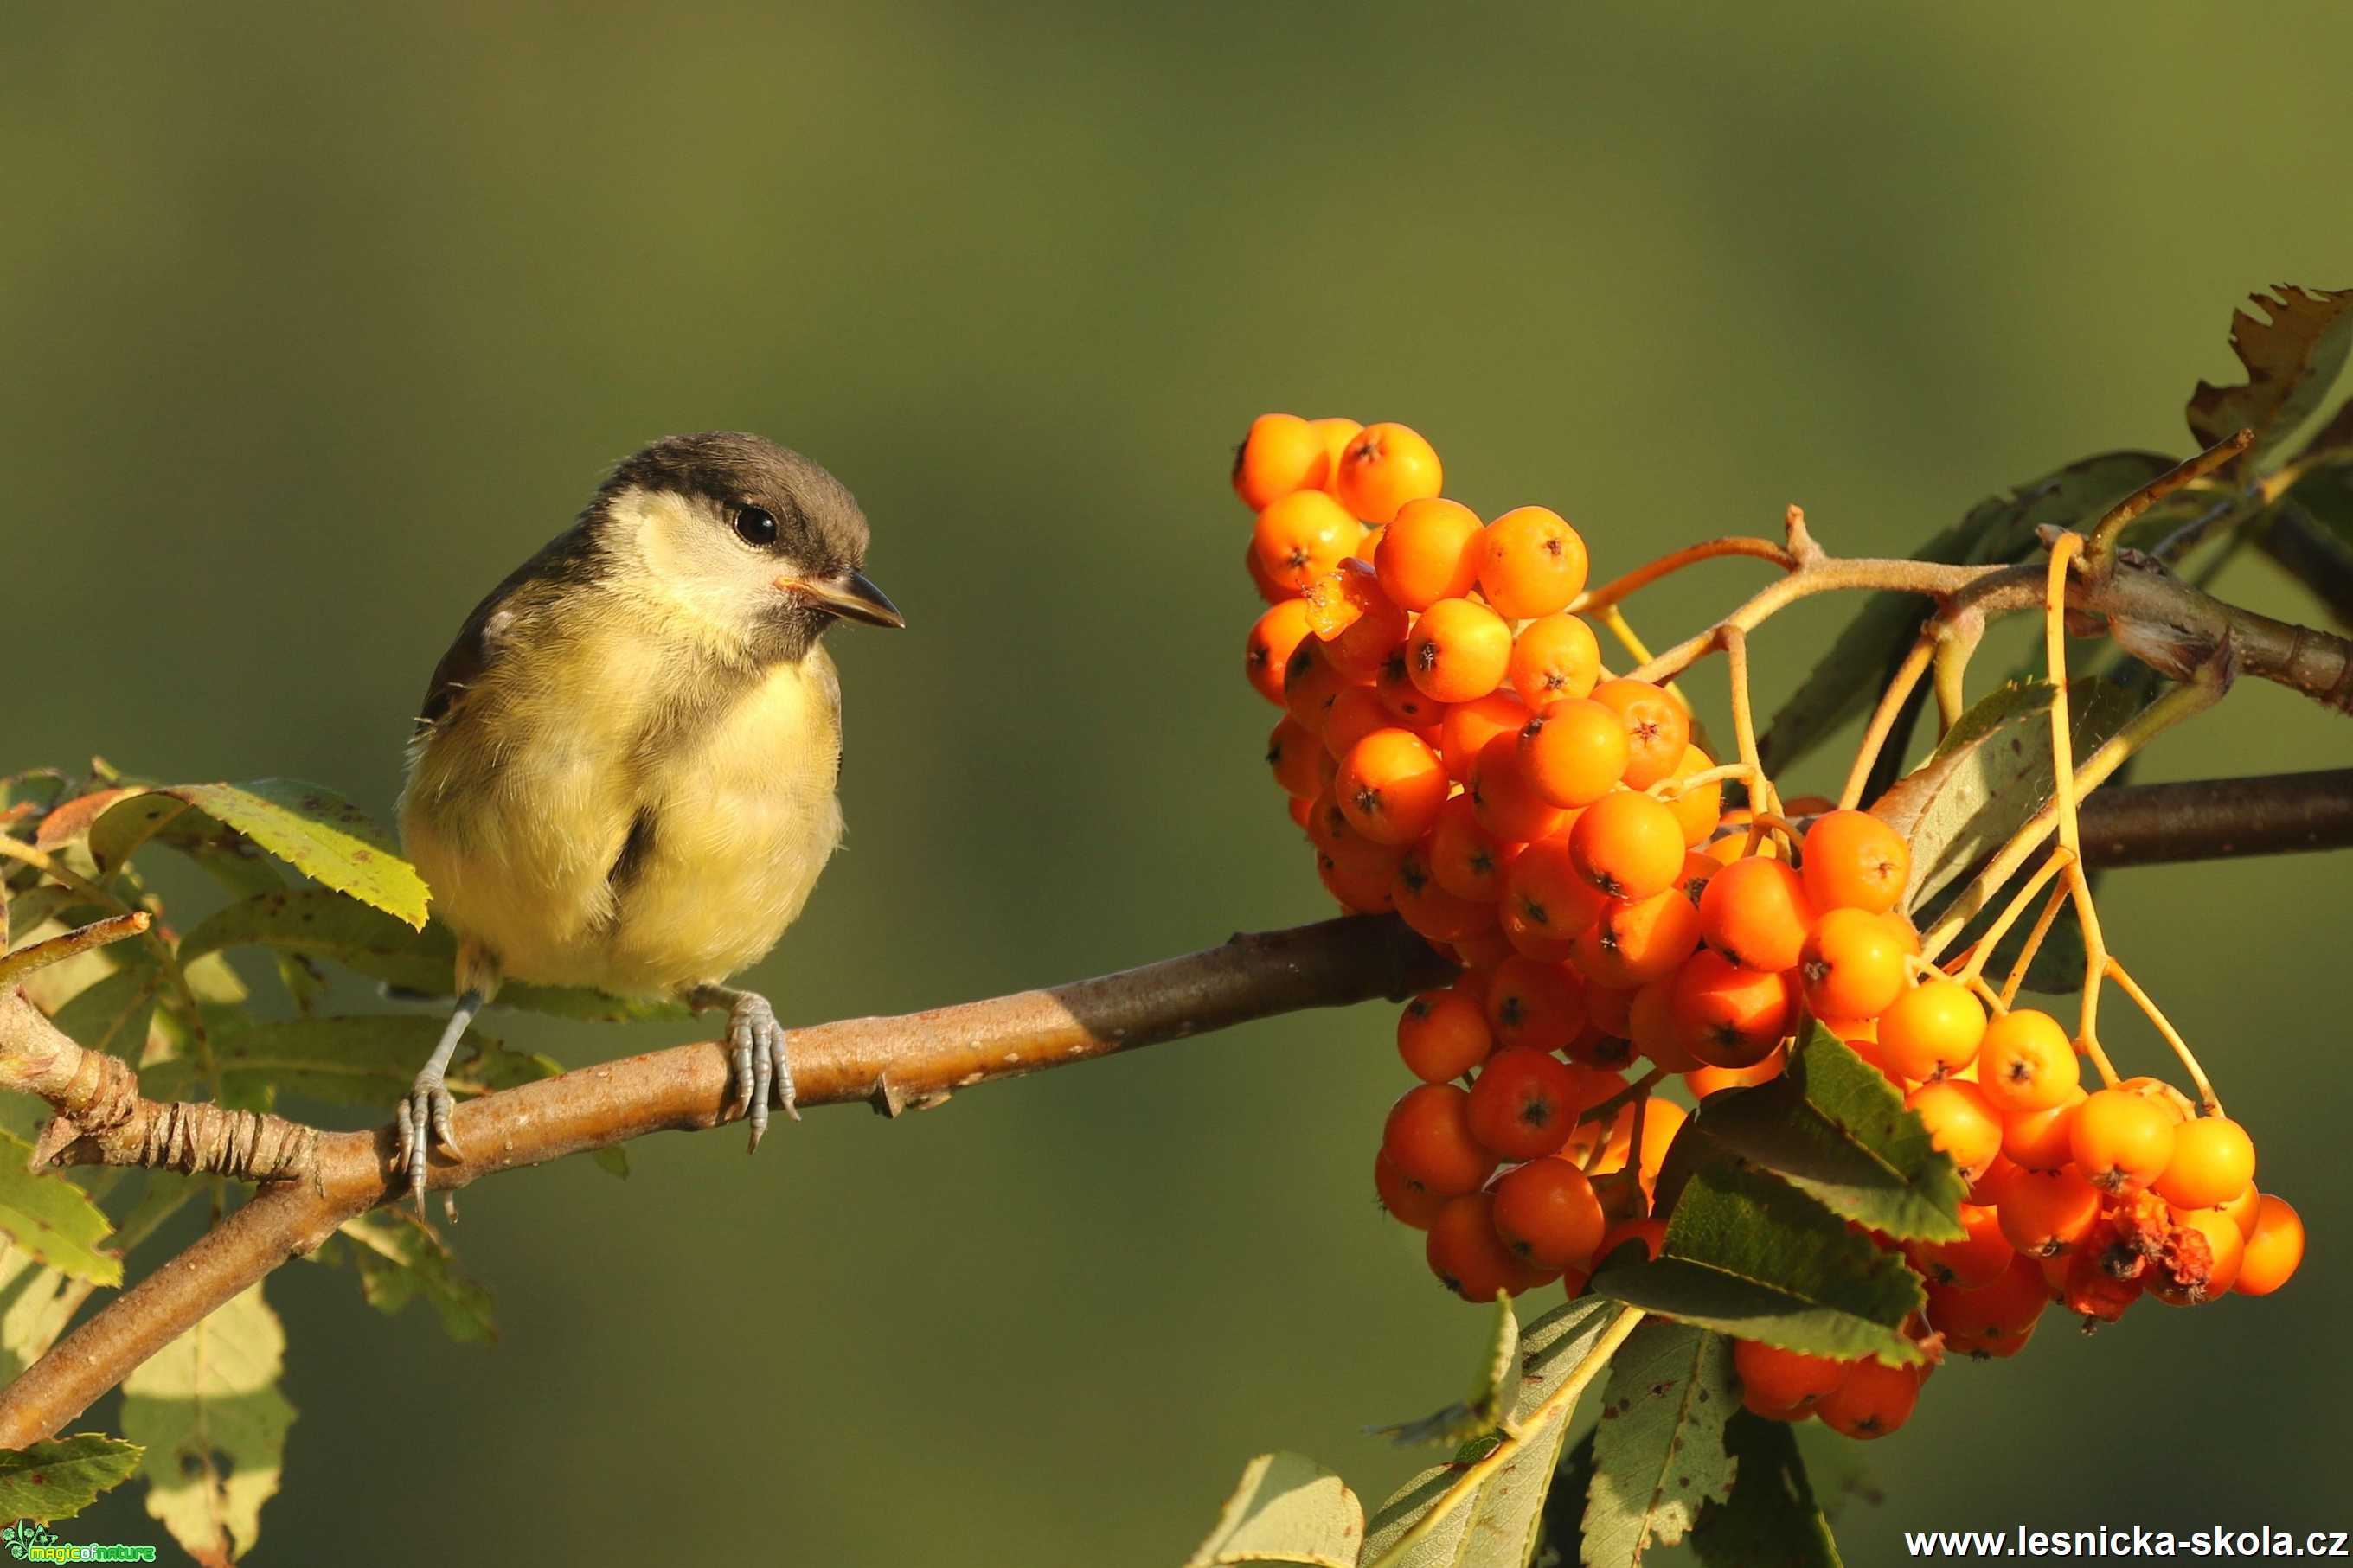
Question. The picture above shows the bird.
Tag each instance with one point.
(623, 772)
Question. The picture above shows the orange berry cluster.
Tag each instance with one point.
(1455, 750)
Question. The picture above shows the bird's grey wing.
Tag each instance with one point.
(569, 558)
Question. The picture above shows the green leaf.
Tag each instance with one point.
(1747, 1254)
(320, 834)
(112, 1015)
(1834, 1128)
(401, 1259)
(1771, 1520)
(207, 1408)
(364, 1060)
(126, 825)
(1658, 1452)
(2291, 352)
(51, 1220)
(1286, 1510)
(1491, 1392)
(61, 1476)
(2000, 528)
(1500, 1522)
(35, 1302)
(613, 1160)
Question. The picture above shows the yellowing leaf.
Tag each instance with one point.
(51, 1220)
(208, 1410)
(320, 834)
(2291, 351)
(1286, 1510)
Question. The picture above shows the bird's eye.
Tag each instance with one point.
(756, 525)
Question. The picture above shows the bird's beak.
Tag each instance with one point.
(852, 595)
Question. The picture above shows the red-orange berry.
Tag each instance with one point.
(1534, 563)
(1630, 945)
(1502, 800)
(1458, 650)
(1311, 684)
(1627, 845)
(1428, 1138)
(1554, 658)
(1299, 762)
(1469, 1258)
(1726, 1016)
(2043, 1140)
(1272, 639)
(1933, 1029)
(1756, 912)
(1650, 1235)
(1657, 728)
(2044, 1213)
(1851, 965)
(1959, 1122)
(1383, 466)
(1705, 1081)
(1696, 809)
(1873, 1402)
(1300, 536)
(2027, 1063)
(1992, 1319)
(1547, 1215)
(1281, 454)
(1406, 1201)
(2213, 1161)
(1354, 714)
(1574, 751)
(1853, 860)
(1971, 1262)
(1429, 909)
(1786, 1379)
(1466, 859)
(2122, 1140)
(2273, 1248)
(1390, 787)
(1443, 1035)
(1466, 728)
(1430, 553)
(1534, 1004)
(1544, 890)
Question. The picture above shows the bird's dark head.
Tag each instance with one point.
(738, 540)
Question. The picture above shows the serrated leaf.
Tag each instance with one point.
(1834, 1128)
(401, 1259)
(52, 1220)
(207, 1409)
(1771, 1520)
(68, 823)
(126, 825)
(1498, 1526)
(1490, 1392)
(365, 1059)
(1658, 1452)
(2000, 528)
(320, 834)
(59, 1477)
(2291, 352)
(1287, 1508)
(1747, 1254)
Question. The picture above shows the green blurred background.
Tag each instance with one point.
(317, 319)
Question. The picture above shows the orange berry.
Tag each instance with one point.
(1627, 845)
(2027, 1063)
(1608, 1008)
(1406, 1201)
(1466, 859)
(1503, 799)
(1705, 1081)
(1369, 548)
(1272, 592)
(1530, 940)
(1302, 535)
(1521, 1103)
(1992, 1319)
(1468, 1259)
(1466, 728)
(2043, 1140)
(1534, 563)
(1427, 1139)
(1934, 1029)
(1960, 1122)
(2273, 1248)
(1281, 454)
(1853, 860)
(1786, 1379)
(1657, 728)
(2243, 1208)
(2043, 1213)
(1336, 434)
(1631, 944)
(1545, 1213)
(1393, 684)
(1652, 1027)
(1873, 1402)
(1483, 951)
(1696, 809)
(1354, 714)
(1360, 888)
(1973, 1261)
(1430, 553)
(1429, 909)
(1544, 890)
(1443, 1035)
(1534, 1004)
(1458, 651)
(2200, 1259)
(1272, 639)
(1552, 659)
(1390, 787)
(1299, 762)
(1358, 624)
(2122, 1140)
(2213, 1161)
(1310, 683)
(1755, 912)
(1574, 753)
(1851, 964)
(1661, 1120)
(1726, 1016)
(1298, 808)
(2159, 1092)
(1383, 467)
(1650, 1235)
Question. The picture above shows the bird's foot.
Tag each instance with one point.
(424, 1119)
(760, 1068)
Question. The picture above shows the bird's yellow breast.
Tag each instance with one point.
(611, 811)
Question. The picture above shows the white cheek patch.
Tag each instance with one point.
(689, 573)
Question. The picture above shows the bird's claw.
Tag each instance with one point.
(760, 1068)
(423, 1120)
